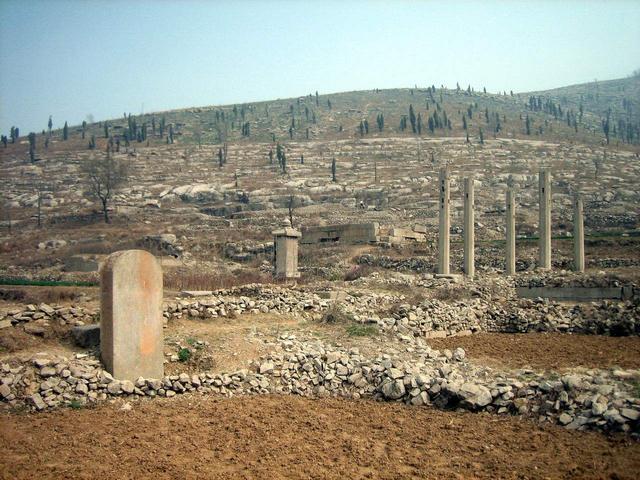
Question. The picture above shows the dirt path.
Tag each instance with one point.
(290, 437)
(546, 351)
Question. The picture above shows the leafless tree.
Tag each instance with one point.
(291, 208)
(104, 175)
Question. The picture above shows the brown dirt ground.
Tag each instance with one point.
(291, 437)
(546, 351)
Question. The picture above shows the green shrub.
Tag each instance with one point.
(184, 354)
(357, 330)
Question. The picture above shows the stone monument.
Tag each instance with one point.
(286, 251)
(131, 337)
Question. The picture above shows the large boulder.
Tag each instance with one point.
(200, 192)
(393, 389)
(474, 396)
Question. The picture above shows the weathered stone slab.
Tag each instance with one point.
(131, 315)
(570, 293)
(196, 293)
(347, 233)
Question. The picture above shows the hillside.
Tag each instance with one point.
(181, 188)
(555, 116)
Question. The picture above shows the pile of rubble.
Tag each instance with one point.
(246, 299)
(246, 251)
(36, 319)
(598, 400)
(435, 319)
(429, 318)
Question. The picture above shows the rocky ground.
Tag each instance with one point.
(394, 349)
(369, 365)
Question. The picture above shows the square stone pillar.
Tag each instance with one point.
(578, 234)
(469, 232)
(131, 336)
(286, 251)
(544, 224)
(444, 222)
(510, 268)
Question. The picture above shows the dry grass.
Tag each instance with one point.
(177, 280)
(358, 271)
(40, 295)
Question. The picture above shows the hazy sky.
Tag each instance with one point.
(73, 58)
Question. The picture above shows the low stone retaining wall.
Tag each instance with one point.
(595, 400)
(576, 293)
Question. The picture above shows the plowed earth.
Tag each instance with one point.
(291, 437)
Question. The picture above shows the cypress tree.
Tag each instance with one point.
(412, 119)
(65, 131)
(32, 146)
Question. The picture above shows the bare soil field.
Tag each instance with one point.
(547, 351)
(291, 437)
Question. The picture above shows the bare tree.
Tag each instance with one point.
(104, 175)
(291, 208)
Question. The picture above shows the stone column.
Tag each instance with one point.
(286, 251)
(469, 233)
(544, 194)
(131, 337)
(578, 234)
(510, 268)
(443, 232)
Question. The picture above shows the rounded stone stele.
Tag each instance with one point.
(131, 336)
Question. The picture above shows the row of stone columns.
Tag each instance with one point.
(131, 281)
(544, 195)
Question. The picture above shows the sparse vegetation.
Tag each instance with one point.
(336, 314)
(184, 354)
(359, 330)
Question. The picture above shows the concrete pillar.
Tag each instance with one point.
(131, 338)
(469, 233)
(578, 234)
(286, 251)
(510, 268)
(445, 225)
(544, 194)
